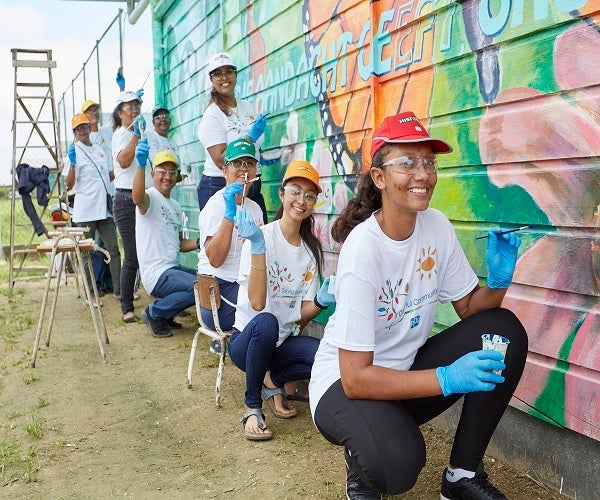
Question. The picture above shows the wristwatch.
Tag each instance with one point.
(198, 243)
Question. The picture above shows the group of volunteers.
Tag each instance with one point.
(378, 373)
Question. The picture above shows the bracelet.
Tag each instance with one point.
(319, 305)
(198, 243)
(258, 268)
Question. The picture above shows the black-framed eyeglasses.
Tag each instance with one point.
(309, 198)
(410, 164)
(239, 164)
(166, 171)
(226, 73)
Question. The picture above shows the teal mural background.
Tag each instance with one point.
(513, 85)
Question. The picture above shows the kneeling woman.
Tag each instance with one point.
(278, 280)
(378, 374)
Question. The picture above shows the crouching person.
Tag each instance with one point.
(159, 241)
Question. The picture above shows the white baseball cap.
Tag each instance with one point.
(128, 96)
(219, 60)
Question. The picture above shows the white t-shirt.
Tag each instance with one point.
(91, 184)
(157, 237)
(291, 279)
(218, 128)
(209, 222)
(103, 138)
(159, 143)
(124, 176)
(387, 293)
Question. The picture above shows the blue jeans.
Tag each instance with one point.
(253, 351)
(106, 229)
(124, 214)
(175, 292)
(226, 313)
(207, 187)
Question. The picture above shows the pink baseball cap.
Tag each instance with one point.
(404, 128)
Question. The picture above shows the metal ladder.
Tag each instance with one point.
(36, 141)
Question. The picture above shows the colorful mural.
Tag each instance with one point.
(513, 85)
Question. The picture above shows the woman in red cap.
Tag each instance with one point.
(379, 374)
(278, 291)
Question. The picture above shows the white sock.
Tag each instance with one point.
(456, 474)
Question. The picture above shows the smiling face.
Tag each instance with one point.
(93, 114)
(82, 133)
(402, 192)
(162, 122)
(223, 80)
(164, 177)
(246, 172)
(298, 197)
(128, 111)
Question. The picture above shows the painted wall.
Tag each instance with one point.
(512, 84)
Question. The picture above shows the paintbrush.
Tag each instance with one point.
(505, 232)
(246, 181)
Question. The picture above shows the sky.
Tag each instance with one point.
(70, 29)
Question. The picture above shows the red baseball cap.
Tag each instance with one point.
(403, 128)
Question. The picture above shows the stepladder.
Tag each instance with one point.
(70, 240)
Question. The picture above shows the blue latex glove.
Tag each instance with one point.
(266, 162)
(142, 150)
(71, 154)
(139, 93)
(258, 128)
(501, 258)
(248, 229)
(323, 296)
(229, 196)
(120, 79)
(139, 125)
(471, 373)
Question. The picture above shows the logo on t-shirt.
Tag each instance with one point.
(426, 264)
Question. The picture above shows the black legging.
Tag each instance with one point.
(386, 446)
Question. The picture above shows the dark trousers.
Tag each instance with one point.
(386, 446)
(124, 214)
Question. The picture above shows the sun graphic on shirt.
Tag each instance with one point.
(426, 264)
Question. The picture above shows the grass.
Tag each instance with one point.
(35, 428)
(29, 378)
(17, 464)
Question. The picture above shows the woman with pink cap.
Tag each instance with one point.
(278, 291)
(379, 374)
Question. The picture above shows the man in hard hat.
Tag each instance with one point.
(159, 241)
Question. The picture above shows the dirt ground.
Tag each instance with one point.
(75, 427)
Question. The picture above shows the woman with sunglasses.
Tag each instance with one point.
(130, 126)
(220, 249)
(225, 119)
(279, 291)
(379, 374)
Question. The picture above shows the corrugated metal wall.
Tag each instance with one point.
(513, 85)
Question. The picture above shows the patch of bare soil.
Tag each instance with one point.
(75, 427)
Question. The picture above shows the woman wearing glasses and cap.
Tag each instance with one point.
(130, 126)
(278, 291)
(220, 250)
(225, 119)
(379, 374)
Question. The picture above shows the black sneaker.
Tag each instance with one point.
(174, 324)
(356, 489)
(158, 327)
(475, 488)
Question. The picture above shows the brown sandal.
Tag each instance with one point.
(260, 417)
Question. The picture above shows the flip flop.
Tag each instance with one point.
(260, 417)
(131, 319)
(268, 397)
(300, 392)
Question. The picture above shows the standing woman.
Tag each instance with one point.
(378, 374)
(278, 280)
(224, 120)
(127, 117)
(89, 175)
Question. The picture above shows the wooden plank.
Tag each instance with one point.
(33, 64)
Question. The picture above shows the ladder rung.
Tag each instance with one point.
(34, 97)
(28, 63)
(32, 84)
(37, 121)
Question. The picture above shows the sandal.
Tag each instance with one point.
(268, 396)
(299, 392)
(260, 417)
(131, 319)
